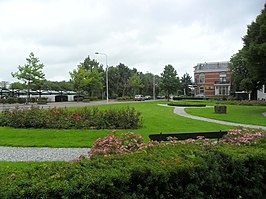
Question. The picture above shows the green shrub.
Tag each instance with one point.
(244, 102)
(172, 171)
(61, 118)
(187, 104)
(124, 98)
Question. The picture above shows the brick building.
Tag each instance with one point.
(212, 79)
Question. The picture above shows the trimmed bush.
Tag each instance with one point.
(171, 171)
(62, 118)
(187, 104)
(125, 98)
(244, 102)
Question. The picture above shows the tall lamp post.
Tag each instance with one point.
(98, 53)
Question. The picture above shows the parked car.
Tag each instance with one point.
(200, 95)
(161, 97)
(139, 98)
(147, 97)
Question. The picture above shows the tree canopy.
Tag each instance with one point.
(248, 66)
(170, 81)
(31, 72)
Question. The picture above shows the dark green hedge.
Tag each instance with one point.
(181, 171)
(14, 100)
(186, 104)
(62, 118)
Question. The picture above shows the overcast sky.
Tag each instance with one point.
(145, 34)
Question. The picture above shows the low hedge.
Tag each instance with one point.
(186, 104)
(62, 118)
(244, 102)
(178, 171)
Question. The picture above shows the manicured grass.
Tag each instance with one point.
(238, 114)
(156, 119)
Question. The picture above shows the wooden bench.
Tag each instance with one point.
(184, 136)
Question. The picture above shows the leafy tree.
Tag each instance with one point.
(135, 83)
(255, 49)
(18, 85)
(147, 80)
(248, 66)
(92, 64)
(114, 81)
(31, 72)
(3, 84)
(124, 74)
(86, 80)
(240, 76)
(186, 80)
(170, 81)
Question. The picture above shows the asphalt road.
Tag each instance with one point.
(62, 104)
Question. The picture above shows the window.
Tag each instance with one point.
(222, 90)
(201, 90)
(264, 90)
(202, 78)
(222, 77)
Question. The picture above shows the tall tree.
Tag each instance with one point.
(124, 74)
(31, 72)
(3, 84)
(86, 80)
(240, 76)
(170, 81)
(18, 85)
(135, 84)
(186, 81)
(148, 83)
(255, 48)
(248, 66)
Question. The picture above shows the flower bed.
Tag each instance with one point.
(62, 118)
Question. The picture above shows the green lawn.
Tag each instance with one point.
(238, 114)
(156, 119)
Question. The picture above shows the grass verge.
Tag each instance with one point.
(238, 114)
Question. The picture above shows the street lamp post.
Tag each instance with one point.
(107, 98)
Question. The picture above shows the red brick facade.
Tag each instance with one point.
(212, 79)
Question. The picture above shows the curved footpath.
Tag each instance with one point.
(181, 111)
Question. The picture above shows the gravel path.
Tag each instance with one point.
(40, 153)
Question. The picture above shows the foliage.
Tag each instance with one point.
(255, 48)
(248, 66)
(86, 80)
(59, 118)
(187, 103)
(241, 79)
(244, 102)
(244, 137)
(186, 81)
(18, 85)
(114, 145)
(31, 72)
(124, 98)
(135, 84)
(170, 81)
(14, 100)
(163, 171)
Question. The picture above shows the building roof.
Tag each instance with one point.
(212, 66)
